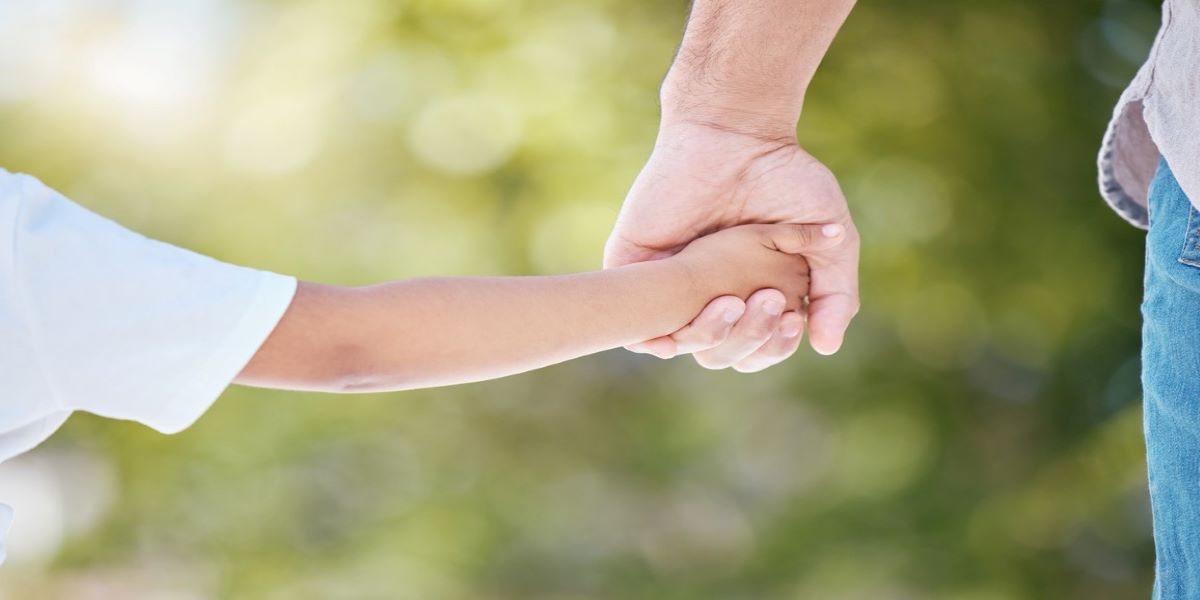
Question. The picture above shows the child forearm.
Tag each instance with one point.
(429, 332)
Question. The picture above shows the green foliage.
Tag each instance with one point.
(977, 439)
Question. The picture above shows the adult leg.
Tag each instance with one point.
(1171, 383)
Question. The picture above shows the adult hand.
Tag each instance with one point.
(702, 178)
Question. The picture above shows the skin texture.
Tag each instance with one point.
(431, 332)
(727, 154)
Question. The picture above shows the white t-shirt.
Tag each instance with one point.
(97, 318)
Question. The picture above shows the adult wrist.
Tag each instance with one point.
(759, 115)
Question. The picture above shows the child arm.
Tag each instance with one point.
(441, 331)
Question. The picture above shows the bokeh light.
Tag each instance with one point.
(977, 439)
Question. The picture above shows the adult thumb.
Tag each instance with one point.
(805, 238)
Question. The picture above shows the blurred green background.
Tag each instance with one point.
(977, 439)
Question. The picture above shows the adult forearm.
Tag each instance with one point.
(746, 64)
(429, 332)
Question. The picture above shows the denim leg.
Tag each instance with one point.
(1171, 383)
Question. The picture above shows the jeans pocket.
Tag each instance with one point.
(1167, 203)
(1190, 255)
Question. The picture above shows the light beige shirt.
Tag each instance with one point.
(1158, 114)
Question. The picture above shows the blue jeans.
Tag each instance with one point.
(1171, 384)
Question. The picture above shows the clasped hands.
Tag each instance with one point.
(700, 180)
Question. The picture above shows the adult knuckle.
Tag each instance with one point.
(757, 361)
(803, 236)
(758, 330)
(719, 336)
(706, 338)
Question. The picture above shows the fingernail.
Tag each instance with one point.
(831, 230)
(772, 307)
(790, 330)
(732, 314)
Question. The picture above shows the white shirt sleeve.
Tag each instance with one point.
(95, 317)
(127, 327)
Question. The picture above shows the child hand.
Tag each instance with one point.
(742, 260)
